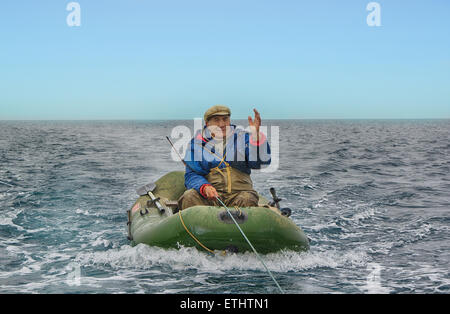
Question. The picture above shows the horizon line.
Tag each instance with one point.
(176, 119)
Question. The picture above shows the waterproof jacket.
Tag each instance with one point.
(240, 151)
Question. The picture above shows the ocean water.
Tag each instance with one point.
(372, 195)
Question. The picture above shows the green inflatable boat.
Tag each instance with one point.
(159, 223)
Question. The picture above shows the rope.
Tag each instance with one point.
(227, 167)
(192, 236)
(238, 209)
(243, 234)
(228, 177)
(248, 241)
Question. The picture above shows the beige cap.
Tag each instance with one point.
(217, 110)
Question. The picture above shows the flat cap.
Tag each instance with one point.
(217, 110)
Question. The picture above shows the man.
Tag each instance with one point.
(219, 161)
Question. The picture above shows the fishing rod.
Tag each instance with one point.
(176, 151)
(249, 243)
(235, 222)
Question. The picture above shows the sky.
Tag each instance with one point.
(171, 59)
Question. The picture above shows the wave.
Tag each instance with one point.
(146, 257)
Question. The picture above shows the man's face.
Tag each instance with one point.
(217, 124)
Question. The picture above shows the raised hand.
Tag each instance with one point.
(255, 124)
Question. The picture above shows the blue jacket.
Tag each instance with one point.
(241, 152)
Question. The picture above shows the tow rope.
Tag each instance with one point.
(249, 243)
(223, 252)
(192, 236)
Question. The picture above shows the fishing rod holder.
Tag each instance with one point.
(152, 202)
(275, 199)
(276, 203)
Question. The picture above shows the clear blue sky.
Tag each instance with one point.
(137, 59)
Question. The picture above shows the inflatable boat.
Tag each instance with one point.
(155, 220)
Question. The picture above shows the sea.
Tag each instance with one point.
(373, 196)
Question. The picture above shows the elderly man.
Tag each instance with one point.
(219, 161)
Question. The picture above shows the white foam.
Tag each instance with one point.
(146, 257)
(7, 220)
(319, 227)
(86, 212)
(83, 212)
(101, 242)
(359, 216)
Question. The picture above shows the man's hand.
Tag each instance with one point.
(210, 192)
(255, 124)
